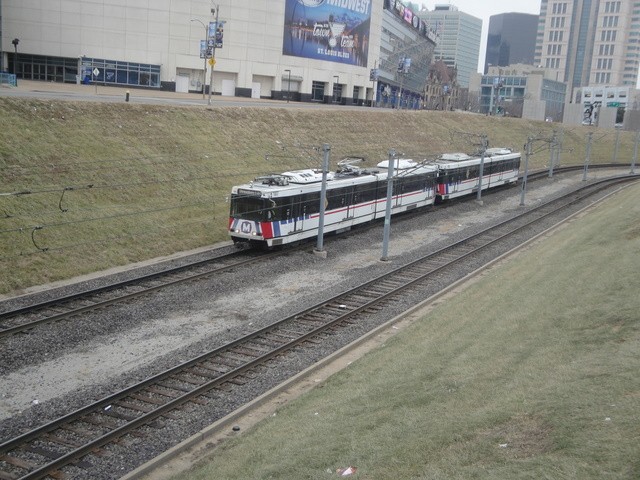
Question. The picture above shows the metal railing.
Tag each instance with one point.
(8, 79)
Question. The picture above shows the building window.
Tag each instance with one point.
(120, 73)
(317, 91)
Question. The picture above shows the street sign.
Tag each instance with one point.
(96, 72)
(212, 61)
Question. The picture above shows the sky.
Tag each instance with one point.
(483, 9)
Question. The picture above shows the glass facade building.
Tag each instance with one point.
(511, 39)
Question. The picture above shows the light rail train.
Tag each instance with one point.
(284, 208)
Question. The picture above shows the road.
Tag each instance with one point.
(100, 93)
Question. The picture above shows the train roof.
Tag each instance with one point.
(458, 159)
(311, 179)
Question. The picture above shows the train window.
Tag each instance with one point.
(250, 208)
(336, 198)
(363, 193)
(396, 186)
(310, 203)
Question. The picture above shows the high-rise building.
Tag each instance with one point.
(590, 42)
(511, 39)
(459, 39)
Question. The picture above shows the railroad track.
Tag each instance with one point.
(63, 446)
(29, 317)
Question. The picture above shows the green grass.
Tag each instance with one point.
(529, 373)
(112, 184)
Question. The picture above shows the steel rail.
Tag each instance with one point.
(115, 287)
(334, 313)
(62, 302)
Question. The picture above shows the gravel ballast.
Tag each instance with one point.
(63, 366)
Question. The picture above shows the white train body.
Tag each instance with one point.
(280, 209)
(285, 208)
(458, 173)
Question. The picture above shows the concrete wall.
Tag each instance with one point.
(605, 118)
(533, 109)
(632, 120)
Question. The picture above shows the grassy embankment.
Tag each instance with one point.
(530, 372)
(104, 185)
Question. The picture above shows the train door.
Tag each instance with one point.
(297, 213)
(287, 218)
(350, 199)
(452, 179)
(495, 172)
(398, 190)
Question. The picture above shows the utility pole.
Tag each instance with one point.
(15, 43)
(206, 51)
(526, 170)
(588, 157)
(485, 143)
(615, 149)
(635, 154)
(552, 149)
(215, 10)
(326, 152)
(387, 214)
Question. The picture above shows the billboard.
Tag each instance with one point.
(333, 30)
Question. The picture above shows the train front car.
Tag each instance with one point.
(258, 207)
(459, 173)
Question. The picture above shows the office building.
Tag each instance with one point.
(459, 39)
(511, 39)
(590, 42)
(519, 91)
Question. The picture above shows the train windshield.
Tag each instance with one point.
(249, 208)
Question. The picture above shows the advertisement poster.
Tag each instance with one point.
(333, 30)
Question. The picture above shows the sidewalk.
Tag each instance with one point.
(37, 88)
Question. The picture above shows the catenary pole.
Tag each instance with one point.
(481, 172)
(527, 153)
(635, 153)
(326, 151)
(553, 145)
(387, 213)
(615, 148)
(587, 159)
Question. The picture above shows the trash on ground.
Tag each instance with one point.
(345, 472)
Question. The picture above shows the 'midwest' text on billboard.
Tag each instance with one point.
(333, 30)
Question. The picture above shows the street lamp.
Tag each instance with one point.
(335, 92)
(206, 50)
(288, 84)
(215, 10)
(496, 85)
(15, 43)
